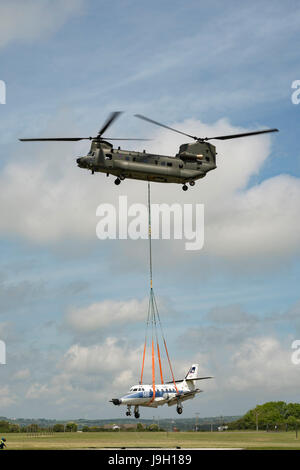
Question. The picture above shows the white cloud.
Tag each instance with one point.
(110, 356)
(108, 312)
(46, 199)
(89, 374)
(30, 20)
(8, 398)
(21, 374)
(263, 363)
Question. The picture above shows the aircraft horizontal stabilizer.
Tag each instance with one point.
(181, 380)
(200, 378)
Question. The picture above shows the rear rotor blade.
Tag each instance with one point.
(235, 136)
(109, 122)
(163, 125)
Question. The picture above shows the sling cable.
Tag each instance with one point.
(153, 321)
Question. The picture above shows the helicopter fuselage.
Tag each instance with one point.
(191, 163)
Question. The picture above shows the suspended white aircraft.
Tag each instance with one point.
(171, 393)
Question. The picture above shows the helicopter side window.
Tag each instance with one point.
(169, 164)
(207, 159)
(108, 156)
(127, 158)
(163, 163)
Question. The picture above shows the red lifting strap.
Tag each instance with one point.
(153, 372)
(160, 368)
(170, 366)
(143, 363)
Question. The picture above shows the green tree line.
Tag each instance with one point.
(270, 416)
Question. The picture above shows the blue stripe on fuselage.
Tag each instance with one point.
(149, 394)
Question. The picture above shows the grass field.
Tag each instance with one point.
(90, 440)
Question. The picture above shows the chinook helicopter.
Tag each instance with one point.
(192, 162)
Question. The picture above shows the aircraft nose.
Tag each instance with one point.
(116, 401)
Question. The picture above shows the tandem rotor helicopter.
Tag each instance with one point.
(192, 162)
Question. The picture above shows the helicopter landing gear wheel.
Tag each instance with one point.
(179, 409)
(117, 181)
(122, 177)
(192, 183)
(184, 187)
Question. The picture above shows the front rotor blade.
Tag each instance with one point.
(109, 122)
(245, 134)
(163, 125)
(59, 139)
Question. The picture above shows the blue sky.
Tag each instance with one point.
(233, 306)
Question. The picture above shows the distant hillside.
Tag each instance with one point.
(182, 424)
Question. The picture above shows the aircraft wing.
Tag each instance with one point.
(183, 396)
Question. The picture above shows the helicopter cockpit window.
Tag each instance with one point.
(163, 163)
(108, 156)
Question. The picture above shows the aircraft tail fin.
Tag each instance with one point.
(193, 372)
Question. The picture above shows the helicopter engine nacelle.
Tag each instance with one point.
(190, 156)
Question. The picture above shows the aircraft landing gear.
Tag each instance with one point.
(122, 177)
(184, 187)
(192, 183)
(179, 409)
(128, 412)
(117, 181)
(136, 412)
